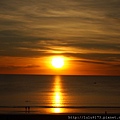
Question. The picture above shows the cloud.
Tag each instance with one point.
(17, 67)
(84, 29)
(95, 58)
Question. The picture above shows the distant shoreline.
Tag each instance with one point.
(64, 75)
(61, 107)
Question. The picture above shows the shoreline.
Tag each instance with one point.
(48, 110)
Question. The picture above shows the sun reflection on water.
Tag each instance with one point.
(57, 96)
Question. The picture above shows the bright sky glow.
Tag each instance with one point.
(58, 62)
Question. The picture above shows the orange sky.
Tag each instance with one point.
(86, 33)
(18, 65)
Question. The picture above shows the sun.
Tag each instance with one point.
(58, 62)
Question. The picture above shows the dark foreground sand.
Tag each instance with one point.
(59, 116)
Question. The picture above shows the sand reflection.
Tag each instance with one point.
(57, 96)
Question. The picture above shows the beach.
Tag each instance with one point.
(58, 96)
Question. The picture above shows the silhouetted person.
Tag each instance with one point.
(25, 108)
(105, 112)
(28, 108)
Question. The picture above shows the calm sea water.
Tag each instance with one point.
(59, 94)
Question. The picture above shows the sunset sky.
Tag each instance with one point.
(85, 32)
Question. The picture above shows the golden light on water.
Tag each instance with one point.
(57, 110)
(57, 96)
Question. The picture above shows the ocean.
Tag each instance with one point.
(59, 94)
